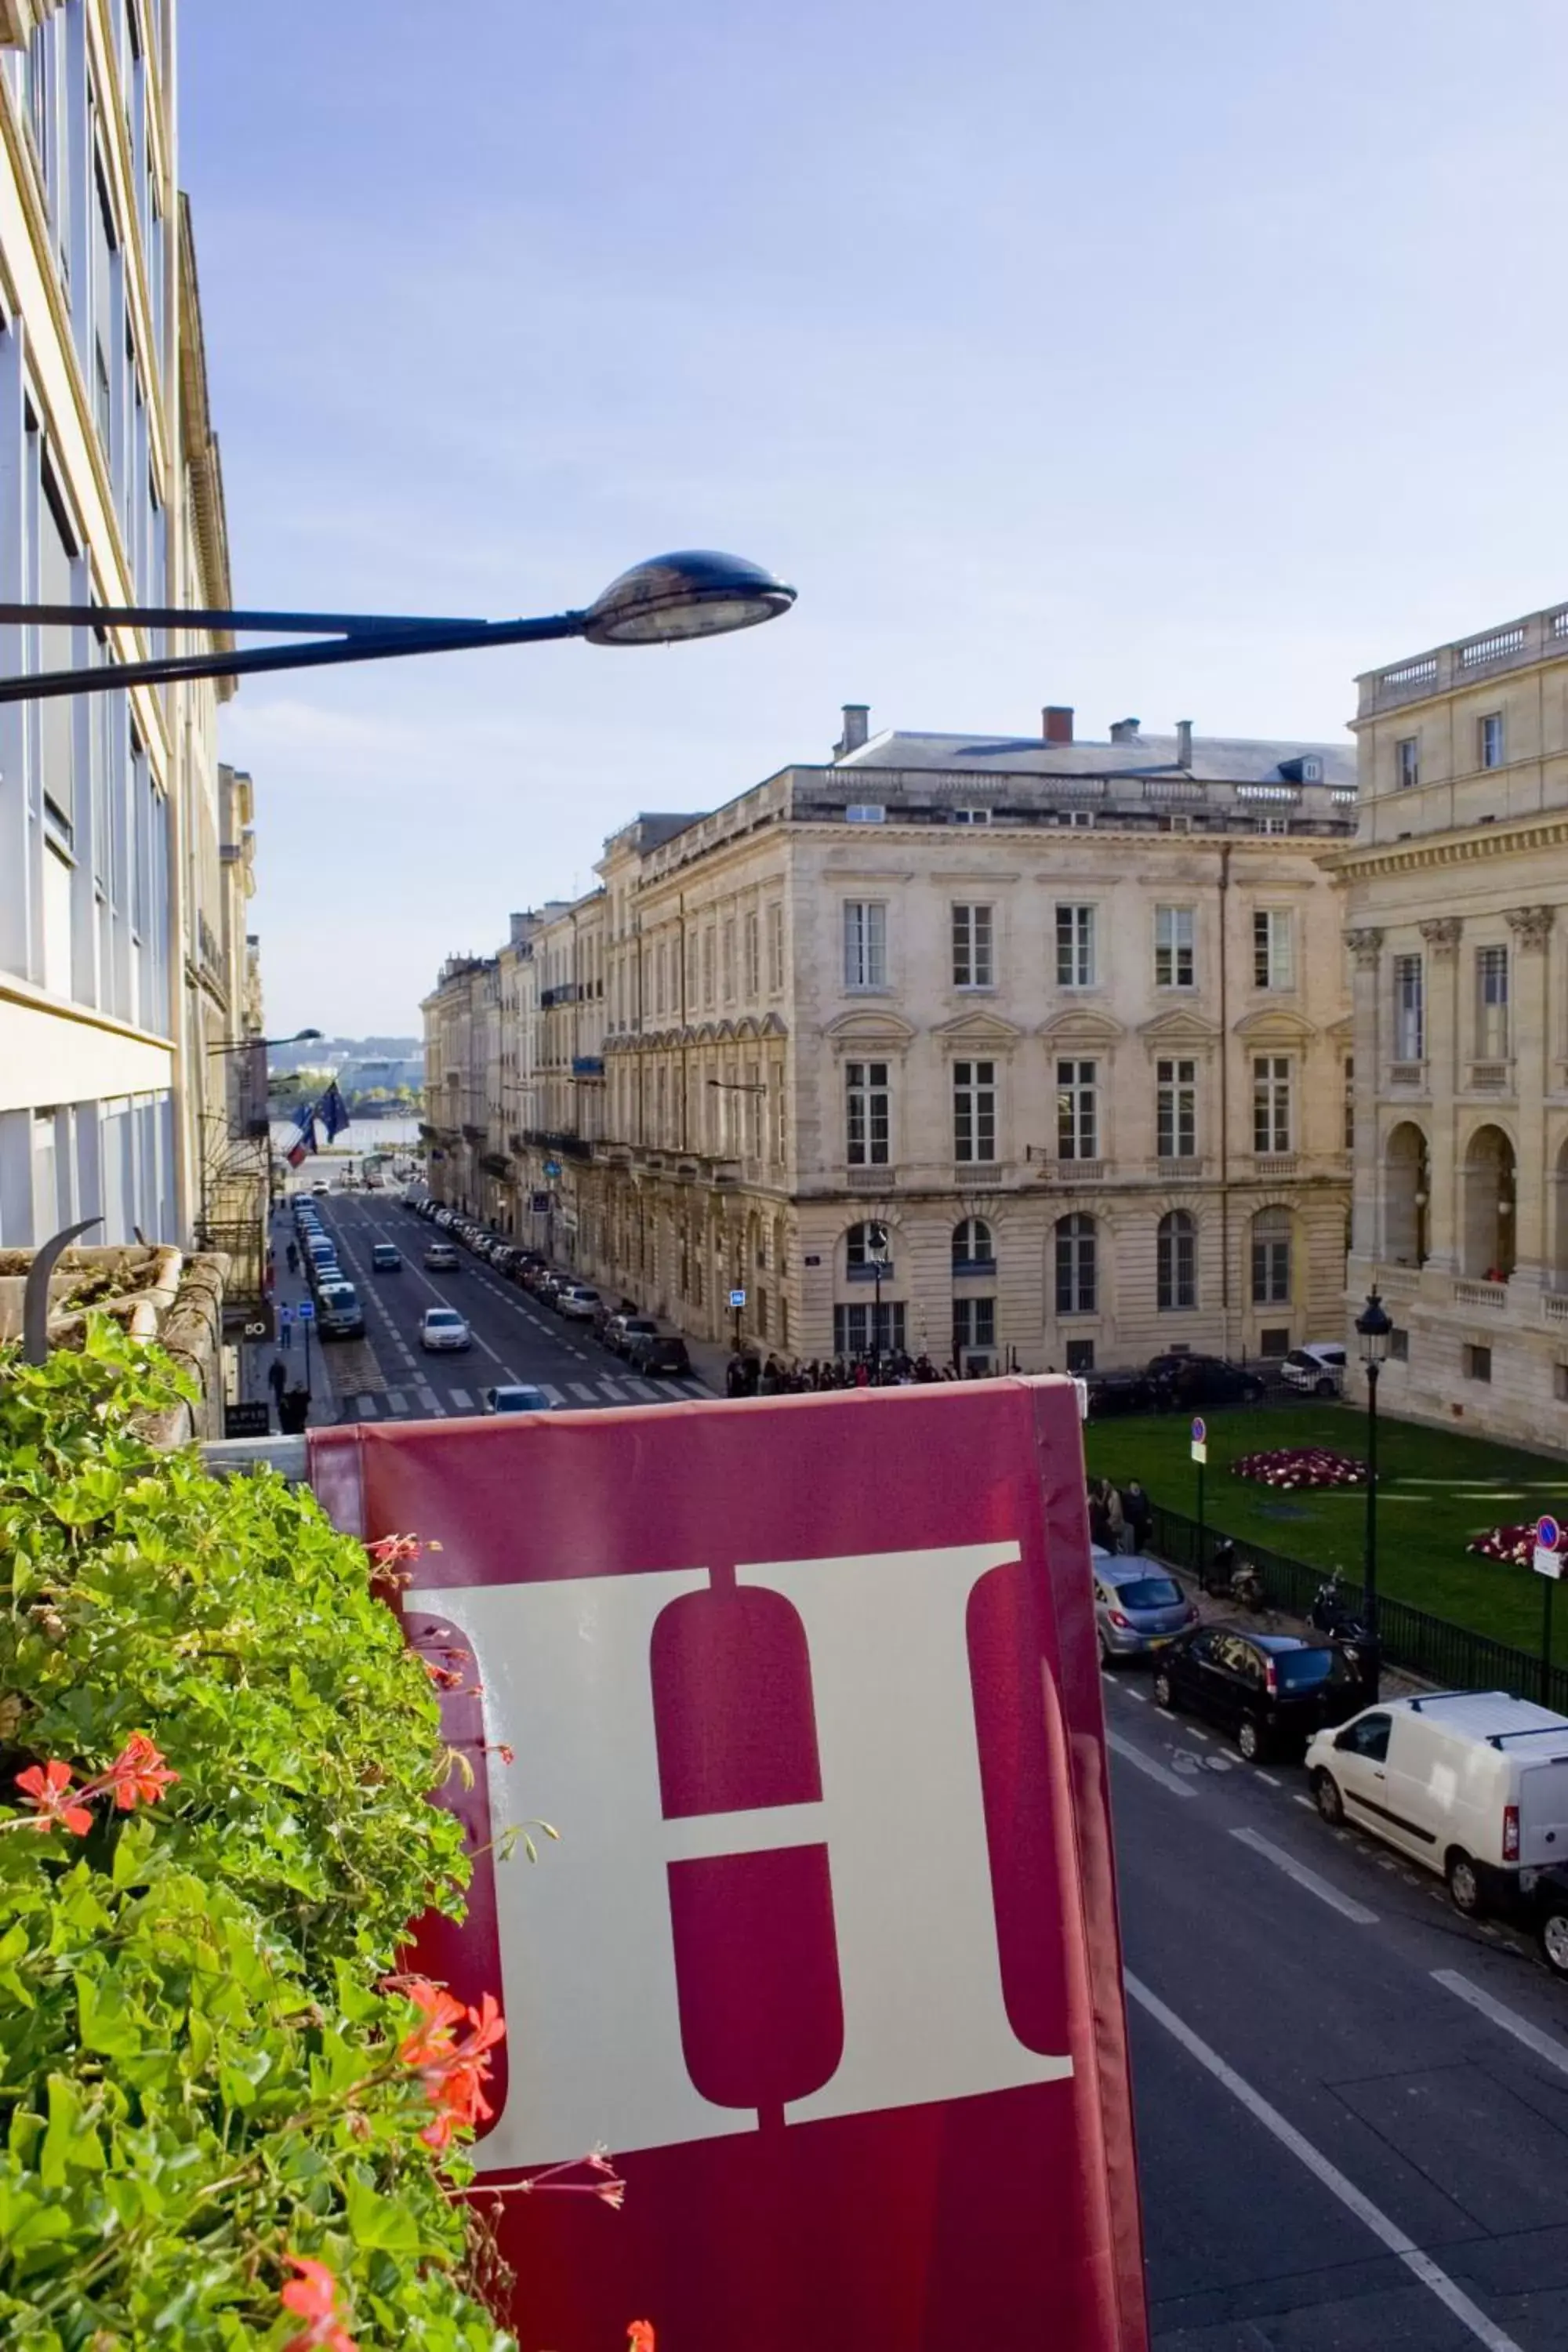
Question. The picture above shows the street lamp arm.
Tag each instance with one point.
(187, 616)
(421, 637)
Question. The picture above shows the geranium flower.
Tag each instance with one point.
(137, 1775)
(453, 2072)
(639, 2335)
(45, 1786)
(314, 2297)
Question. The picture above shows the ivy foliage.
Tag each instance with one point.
(199, 2070)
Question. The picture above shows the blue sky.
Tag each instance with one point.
(1176, 361)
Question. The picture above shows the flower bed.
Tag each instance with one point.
(1515, 1543)
(1301, 1465)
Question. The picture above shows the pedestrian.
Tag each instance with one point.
(294, 1410)
(769, 1383)
(1099, 1517)
(276, 1378)
(294, 1258)
(735, 1375)
(1114, 1518)
(286, 1331)
(1138, 1513)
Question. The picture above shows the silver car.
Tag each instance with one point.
(1138, 1606)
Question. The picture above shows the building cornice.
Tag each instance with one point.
(1477, 845)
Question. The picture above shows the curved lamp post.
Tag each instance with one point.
(244, 1045)
(1374, 1329)
(696, 593)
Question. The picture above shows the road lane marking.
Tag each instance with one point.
(1344, 1904)
(1141, 1697)
(1261, 1775)
(1195, 1733)
(462, 1399)
(613, 1390)
(1142, 1763)
(1545, 2045)
(1421, 2265)
(581, 1388)
(638, 1387)
(395, 1401)
(554, 1394)
(1311, 1802)
(428, 1405)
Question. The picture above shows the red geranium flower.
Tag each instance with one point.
(45, 1786)
(639, 2335)
(314, 2297)
(138, 1774)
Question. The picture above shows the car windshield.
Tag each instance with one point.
(1150, 1593)
(444, 1317)
(1301, 1669)
(1303, 1362)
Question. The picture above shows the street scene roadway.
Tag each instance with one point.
(389, 1377)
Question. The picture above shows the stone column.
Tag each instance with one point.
(1444, 1042)
(1366, 1001)
(1531, 1042)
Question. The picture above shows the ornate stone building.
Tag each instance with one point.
(1453, 893)
(1031, 1051)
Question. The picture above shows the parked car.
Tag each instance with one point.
(1470, 1784)
(1138, 1607)
(576, 1302)
(1271, 1690)
(321, 1186)
(385, 1258)
(1113, 1392)
(660, 1355)
(442, 1328)
(324, 1270)
(520, 1396)
(547, 1285)
(1180, 1382)
(442, 1258)
(622, 1329)
(339, 1314)
(1318, 1365)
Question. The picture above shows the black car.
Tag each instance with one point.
(659, 1354)
(1268, 1690)
(1178, 1383)
(1112, 1392)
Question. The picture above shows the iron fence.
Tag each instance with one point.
(1433, 1648)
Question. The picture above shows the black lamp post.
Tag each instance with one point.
(693, 593)
(877, 1257)
(1373, 1328)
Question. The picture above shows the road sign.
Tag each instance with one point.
(1200, 1438)
(305, 1311)
(552, 1169)
(249, 1420)
(1548, 1560)
(737, 1298)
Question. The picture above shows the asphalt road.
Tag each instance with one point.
(391, 1377)
(1352, 2103)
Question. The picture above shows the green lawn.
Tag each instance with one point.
(1435, 1490)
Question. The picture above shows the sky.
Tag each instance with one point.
(1180, 361)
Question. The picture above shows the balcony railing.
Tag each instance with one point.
(967, 1268)
(1491, 1295)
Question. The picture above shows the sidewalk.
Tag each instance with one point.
(256, 1356)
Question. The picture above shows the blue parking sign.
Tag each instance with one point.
(306, 1311)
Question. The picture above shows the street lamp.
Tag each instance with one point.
(244, 1045)
(876, 1259)
(694, 593)
(1373, 1328)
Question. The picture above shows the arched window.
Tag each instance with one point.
(868, 1244)
(1271, 1258)
(1078, 1273)
(1490, 1192)
(973, 1250)
(1177, 1260)
(1406, 1186)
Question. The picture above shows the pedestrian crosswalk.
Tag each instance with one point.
(419, 1402)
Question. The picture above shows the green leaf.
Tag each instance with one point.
(377, 2221)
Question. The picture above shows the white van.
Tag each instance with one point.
(1473, 1784)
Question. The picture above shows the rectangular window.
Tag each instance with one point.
(775, 951)
(1271, 1103)
(865, 943)
(1176, 1109)
(971, 959)
(866, 1113)
(1491, 1003)
(1491, 744)
(1176, 1263)
(1077, 1111)
(1074, 947)
(1410, 1010)
(856, 1330)
(1173, 959)
(752, 952)
(973, 1327)
(707, 946)
(1349, 1103)
(1407, 762)
(727, 960)
(1078, 1271)
(1478, 1363)
(1273, 956)
(969, 816)
(974, 1110)
(1079, 1357)
(1271, 1262)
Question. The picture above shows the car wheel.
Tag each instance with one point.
(1464, 1883)
(1106, 1655)
(1326, 1389)
(1249, 1739)
(1164, 1694)
(1327, 1797)
(1554, 1941)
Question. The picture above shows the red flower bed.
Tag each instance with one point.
(1515, 1543)
(1301, 1465)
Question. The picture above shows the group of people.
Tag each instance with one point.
(292, 1400)
(748, 1374)
(1120, 1517)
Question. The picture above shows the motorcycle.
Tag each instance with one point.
(1329, 1613)
(1229, 1578)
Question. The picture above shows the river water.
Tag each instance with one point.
(362, 1135)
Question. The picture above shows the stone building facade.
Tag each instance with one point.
(1454, 895)
(1028, 1050)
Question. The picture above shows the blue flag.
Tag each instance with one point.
(333, 1112)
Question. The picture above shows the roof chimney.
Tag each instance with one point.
(1183, 742)
(857, 722)
(1058, 723)
(1124, 731)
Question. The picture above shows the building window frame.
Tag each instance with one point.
(1273, 1252)
(1076, 1238)
(1176, 1109)
(1176, 1262)
(1406, 763)
(974, 1103)
(1493, 1011)
(973, 937)
(1273, 1105)
(1175, 947)
(867, 1114)
(1274, 949)
(1078, 1108)
(1491, 741)
(1076, 944)
(1409, 977)
(865, 934)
